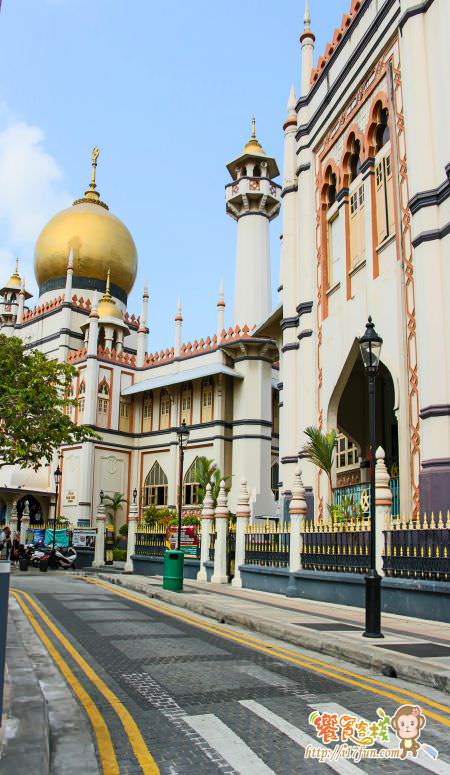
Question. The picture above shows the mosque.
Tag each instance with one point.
(365, 231)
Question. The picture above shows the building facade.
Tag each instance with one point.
(366, 204)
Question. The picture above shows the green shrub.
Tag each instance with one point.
(120, 555)
(123, 529)
(153, 514)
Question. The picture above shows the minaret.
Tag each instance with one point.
(307, 39)
(178, 329)
(12, 295)
(253, 200)
(142, 334)
(220, 311)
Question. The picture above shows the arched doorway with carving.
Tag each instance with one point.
(348, 413)
(35, 509)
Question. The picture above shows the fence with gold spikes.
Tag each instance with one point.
(212, 540)
(417, 547)
(342, 546)
(267, 543)
(151, 540)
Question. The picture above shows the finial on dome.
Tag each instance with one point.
(15, 279)
(108, 281)
(253, 127)
(91, 195)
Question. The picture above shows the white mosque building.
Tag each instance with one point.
(366, 225)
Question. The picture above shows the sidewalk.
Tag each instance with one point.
(413, 649)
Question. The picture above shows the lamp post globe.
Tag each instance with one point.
(370, 344)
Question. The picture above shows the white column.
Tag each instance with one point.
(252, 299)
(21, 303)
(206, 523)
(220, 550)
(242, 518)
(383, 506)
(297, 512)
(13, 520)
(142, 334)
(24, 523)
(99, 554)
(131, 541)
(64, 340)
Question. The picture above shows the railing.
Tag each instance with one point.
(417, 548)
(268, 545)
(394, 484)
(150, 541)
(212, 543)
(337, 547)
(357, 496)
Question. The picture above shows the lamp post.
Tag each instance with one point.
(134, 495)
(370, 346)
(183, 437)
(57, 476)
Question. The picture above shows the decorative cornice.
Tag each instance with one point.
(431, 198)
(342, 194)
(290, 459)
(302, 168)
(290, 346)
(438, 462)
(289, 190)
(288, 323)
(435, 410)
(414, 11)
(304, 308)
(305, 333)
(432, 235)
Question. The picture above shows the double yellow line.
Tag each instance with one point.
(372, 685)
(105, 746)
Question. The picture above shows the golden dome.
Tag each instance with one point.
(254, 146)
(107, 307)
(99, 240)
(15, 280)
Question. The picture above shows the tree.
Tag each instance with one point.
(34, 401)
(319, 450)
(114, 504)
(206, 472)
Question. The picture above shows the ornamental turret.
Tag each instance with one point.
(253, 200)
(12, 299)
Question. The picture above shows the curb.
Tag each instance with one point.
(25, 723)
(392, 665)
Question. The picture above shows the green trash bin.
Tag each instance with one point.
(173, 570)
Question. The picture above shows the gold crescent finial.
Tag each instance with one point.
(253, 127)
(94, 157)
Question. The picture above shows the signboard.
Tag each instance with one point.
(70, 497)
(189, 539)
(84, 538)
(35, 536)
(61, 537)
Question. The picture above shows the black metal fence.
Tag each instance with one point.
(151, 541)
(338, 547)
(417, 548)
(267, 545)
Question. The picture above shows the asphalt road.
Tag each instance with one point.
(170, 692)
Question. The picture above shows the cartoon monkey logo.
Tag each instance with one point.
(407, 725)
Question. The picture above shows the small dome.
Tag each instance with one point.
(99, 240)
(107, 307)
(254, 146)
(15, 281)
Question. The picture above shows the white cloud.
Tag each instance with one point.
(32, 191)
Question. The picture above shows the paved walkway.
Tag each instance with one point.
(415, 649)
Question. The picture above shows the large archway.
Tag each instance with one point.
(35, 508)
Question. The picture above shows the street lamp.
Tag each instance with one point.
(134, 495)
(183, 436)
(370, 346)
(102, 495)
(57, 476)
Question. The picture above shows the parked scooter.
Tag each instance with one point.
(62, 557)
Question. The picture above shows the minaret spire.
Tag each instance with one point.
(220, 311)
(92, 195)
(178, 328)
(307, 17)
(307, 39)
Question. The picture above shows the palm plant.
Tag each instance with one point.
(206, 472)
(319, 450)
(113, 504)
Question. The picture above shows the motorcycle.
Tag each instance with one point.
(62, 557)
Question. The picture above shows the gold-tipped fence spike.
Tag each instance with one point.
(440, 521)
(432, 522)
(448, 520)
(425, 523)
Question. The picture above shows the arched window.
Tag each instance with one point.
(81, 400)
(257, 171)
(384, 187)
(207, 400)
(382, 135)
(334, 230)
(186, 404)
(154, 491)
(114, 341)
(101, 338)
(147, 412)
(164, 410)
(125, 413)
(355, 160)
(275, 477)
(103, 404)
(191, 485)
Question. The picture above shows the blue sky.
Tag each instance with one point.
(167, 91)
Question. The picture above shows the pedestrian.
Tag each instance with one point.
(8, 542)
(15, 549)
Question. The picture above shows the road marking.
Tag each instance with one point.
(228, 744)
(298, 736)
(137, 742)
(440, 767)
(104, 743)
(318, 666)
